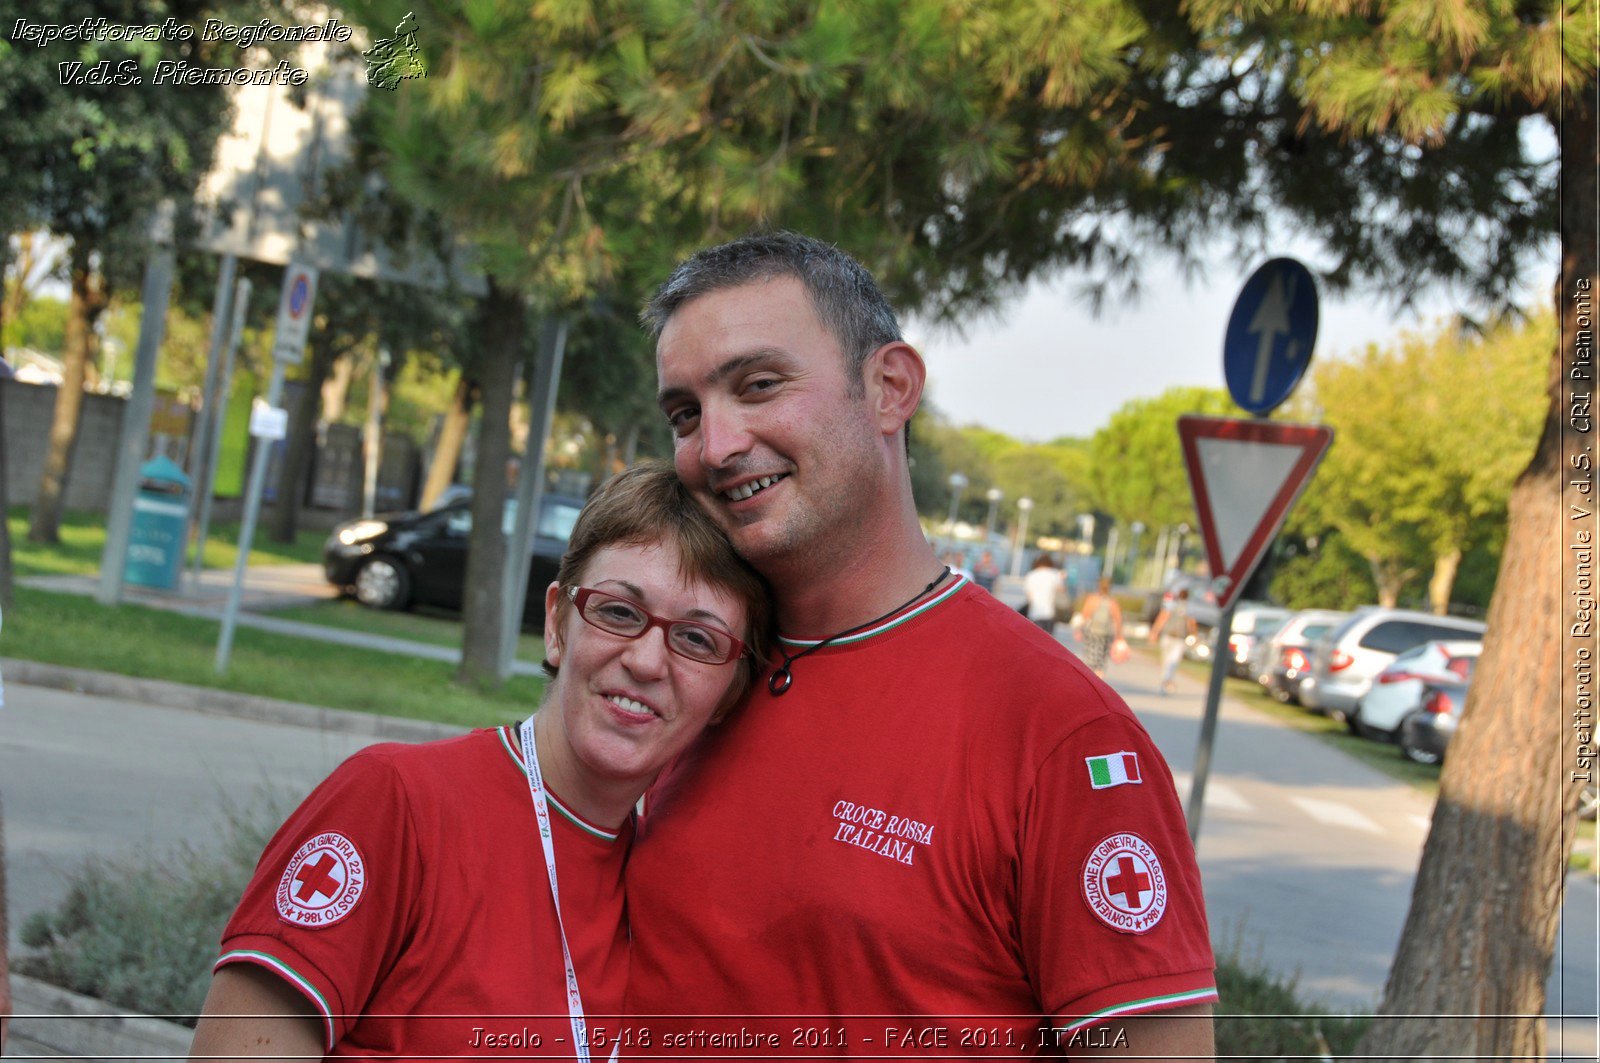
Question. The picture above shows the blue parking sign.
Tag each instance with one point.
(1270, 335)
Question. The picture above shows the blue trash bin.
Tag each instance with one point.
(160, 525)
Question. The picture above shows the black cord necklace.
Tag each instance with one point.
(780, 680)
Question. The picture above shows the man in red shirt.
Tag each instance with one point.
(932, 831)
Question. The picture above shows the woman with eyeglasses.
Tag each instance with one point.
(464, 897)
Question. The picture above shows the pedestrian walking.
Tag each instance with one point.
(1102, 625)
(1169, 632)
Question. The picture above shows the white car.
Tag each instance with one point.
(1396, 692)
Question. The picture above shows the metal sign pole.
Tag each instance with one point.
(1208, 724)
(530, 488)
(267, 425)
(247, 525)
(205, 486)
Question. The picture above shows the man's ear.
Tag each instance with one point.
(552, 625)
(894, 378)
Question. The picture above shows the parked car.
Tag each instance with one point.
(398, 560)
(1344, 663)
(1252, 626)
(1426, 731)
(1251, 620)
(1282, 662)
(1398, 689)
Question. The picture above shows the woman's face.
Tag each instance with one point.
(628, 706)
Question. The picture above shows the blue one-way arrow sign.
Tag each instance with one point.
(1270, 335)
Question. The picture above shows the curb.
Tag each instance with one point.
(50, 1021)
(213, 702)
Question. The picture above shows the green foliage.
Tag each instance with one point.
(1137, 461)
(1054, 475)
(1393, 131)
(1260, 1016)
(1330, 576)
(41, 325)
(141, 933)
(1429, 435)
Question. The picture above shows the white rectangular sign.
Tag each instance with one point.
(268, 422)
(294, 313)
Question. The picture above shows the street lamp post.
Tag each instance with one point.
(1111, 554)
(1136, 529)
(1024, 505)
(1177, 547)
(958, 484)
(994, 496)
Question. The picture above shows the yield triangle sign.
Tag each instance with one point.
(1245, 476)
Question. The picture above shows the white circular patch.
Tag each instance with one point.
(324, 880)
(1124, 885)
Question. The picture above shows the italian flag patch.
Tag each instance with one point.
(1113, 769)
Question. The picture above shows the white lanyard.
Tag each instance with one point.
(541, 811)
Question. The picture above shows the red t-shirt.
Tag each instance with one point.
(944, 820)
(407, 898)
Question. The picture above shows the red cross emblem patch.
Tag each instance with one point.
(1124, 885)
(324, 880)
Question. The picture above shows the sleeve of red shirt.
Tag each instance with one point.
(1087, 971)
(336, 965)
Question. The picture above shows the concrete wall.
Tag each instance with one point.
(336, 481)
(28, 410)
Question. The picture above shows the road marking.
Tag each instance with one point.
(1220, 797)
(1335, 814)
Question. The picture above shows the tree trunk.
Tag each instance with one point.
(301, 443)
(500, 329)
(87, 301)
(1480, 934)
(1445, 566)
(447, 452)
(1389, 578)
(335, 390)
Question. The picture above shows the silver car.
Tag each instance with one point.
(1346, 661)
(1282, 662)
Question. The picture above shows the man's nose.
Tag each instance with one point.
(723, 438)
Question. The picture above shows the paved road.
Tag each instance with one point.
(1307, 856)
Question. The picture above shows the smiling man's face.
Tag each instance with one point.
(772, 434)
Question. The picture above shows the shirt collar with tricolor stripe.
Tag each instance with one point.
(888, 623)
(513, 747)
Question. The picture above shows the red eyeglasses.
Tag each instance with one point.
(701, 643)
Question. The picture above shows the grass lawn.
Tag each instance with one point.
(437, 628)
(83, 538)
(135, 640)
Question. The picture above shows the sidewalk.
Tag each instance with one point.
(266, 587)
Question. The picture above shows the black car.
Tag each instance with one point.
(397, 560)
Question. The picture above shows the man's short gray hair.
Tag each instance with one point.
(843, 293)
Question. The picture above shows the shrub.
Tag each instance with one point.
(142, 932)
(1260, 1017)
